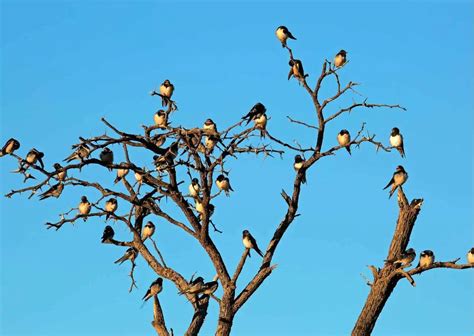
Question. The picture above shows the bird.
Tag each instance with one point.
(209, 127)
(130, 254)
(121, 173)
(110, 206)
(195, 286)
(108, 234)
(155, 288)
(470, 256)
(10, 146)
(284, 34)
(159, 140)
(340, 58)
(107, 157)
(427, 258)
(398, 179)
(257, 110)
(223, 183)
(194, 188)
(138, 178)
(250, 242)
(84, 207)
(261, 124)
(166, 91)
(210, 142)
(210, 287)
(165, 161)
(61, 174)
(148, 230)
(161, 119)
(344, 140)
(34, 156)
(296, 70)
(298, 165)
(396, 141)
(405, 259)
(54, 191)
(82, 152)
(199, 206)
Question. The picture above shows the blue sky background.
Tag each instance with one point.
(66, 64)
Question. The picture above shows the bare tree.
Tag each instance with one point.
(198, 156)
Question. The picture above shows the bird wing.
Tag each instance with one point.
(389, 183)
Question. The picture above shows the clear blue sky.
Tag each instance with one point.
(66, 64)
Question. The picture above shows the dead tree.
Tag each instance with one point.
(182, 154)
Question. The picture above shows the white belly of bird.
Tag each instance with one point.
(298, 165)
(160, 120)
(9, 148)
(110, 207)
(338, 60)
(84, 208)
(344, 139)
(166, 91)
(147, 232)
(155, 289)
(470, 258)
(261, 122)
(281, 35)
(223, 185)
(210, 143)
(193, 192)
(31, 158)
(61, 175)
(399, 179)
(247, 243)
(396, 141)
(426, 261)
(199, 207)
(138, 177)
(122, 172)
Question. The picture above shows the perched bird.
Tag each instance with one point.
(194, 188)
(250, 242)
(130, 254)
(396, 141)
(427, 258)
(82, 152)
(296, 70)
(34, 156)
(110, 206)
(209, 127)
(84, 207)
(405, 259)
(398, 179)
(155, 288)
(108, 234)
(283, 34)
(340, 58)
(148, 230)
(54, 191)
(210, 287)
(61, 174)
(261, 124)
(256, 111)
(344, 139)
(10, 146)
(166, 160)
(298, 165)
(121, 173)
(161, 119)
(470, 256)
(195, 286)
(209, 143)
(138, 178)
(200, 208)
(223, 183)
(107, 157)
(166, 91)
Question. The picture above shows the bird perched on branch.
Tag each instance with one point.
(261, 124)
(398, 179)
(138, 178)
(54, 191)
(210, 142)
(110, 206)
(108, 234)
(194, 188)
(470, 256)
(166, 91)
(61, 174)
(155, 288)
(34, 156)
(210, 287)
(284, 34)
(340, 58)
(10, 146)
(130, 254)
(296, 70)
(250, 242)
(107, 157)
(396, 141)
(344, 139)
(84, 207)
(82, 152)
(404, 260)
(166, 160)
(161, 119)
(209, 127)
(256, 111)
(121, 173)
(223, 183)
(195, 286)
(298, 165)
(427, 258)
(148, 230)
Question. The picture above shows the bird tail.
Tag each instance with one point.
(290, 73)
(120, 261)
(391, 192)
(42, 197)
(259, 252)
(402, 151)
(117, 179)
(2, 153)
(303, 180)
(348, 148)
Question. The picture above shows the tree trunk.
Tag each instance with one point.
(226, 314)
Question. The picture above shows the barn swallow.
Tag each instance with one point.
(296, 70)
(340, 58)
(107, 157)
(405, 259)
(130, 254)
(427, 258)
(223, 183)
(166, 160)
(261, 124)
(195, 286)
(121, 173)
(200, 208)
(210, 287)
(61, 174)
(470, 256)
(250, 242)
(210, 142)
(297, 166)
(398, 179)
(148, 230)
(82, 152)
(54, 191)
(396, 141)
(161, 119)
(344, 139)
(209, 127)
(84, 207)
(34, 156)
(194, 188)
(110, 206)
(166, 91)
(10, 146)
(138, 178)
(257, 110)
(283, 34)
(108, 234)
(155, 288)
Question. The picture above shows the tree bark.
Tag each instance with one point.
(226, 313)
(198, 317)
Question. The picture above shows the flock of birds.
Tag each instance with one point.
(258, 115)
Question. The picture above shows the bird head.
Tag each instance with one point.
(84, 199)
